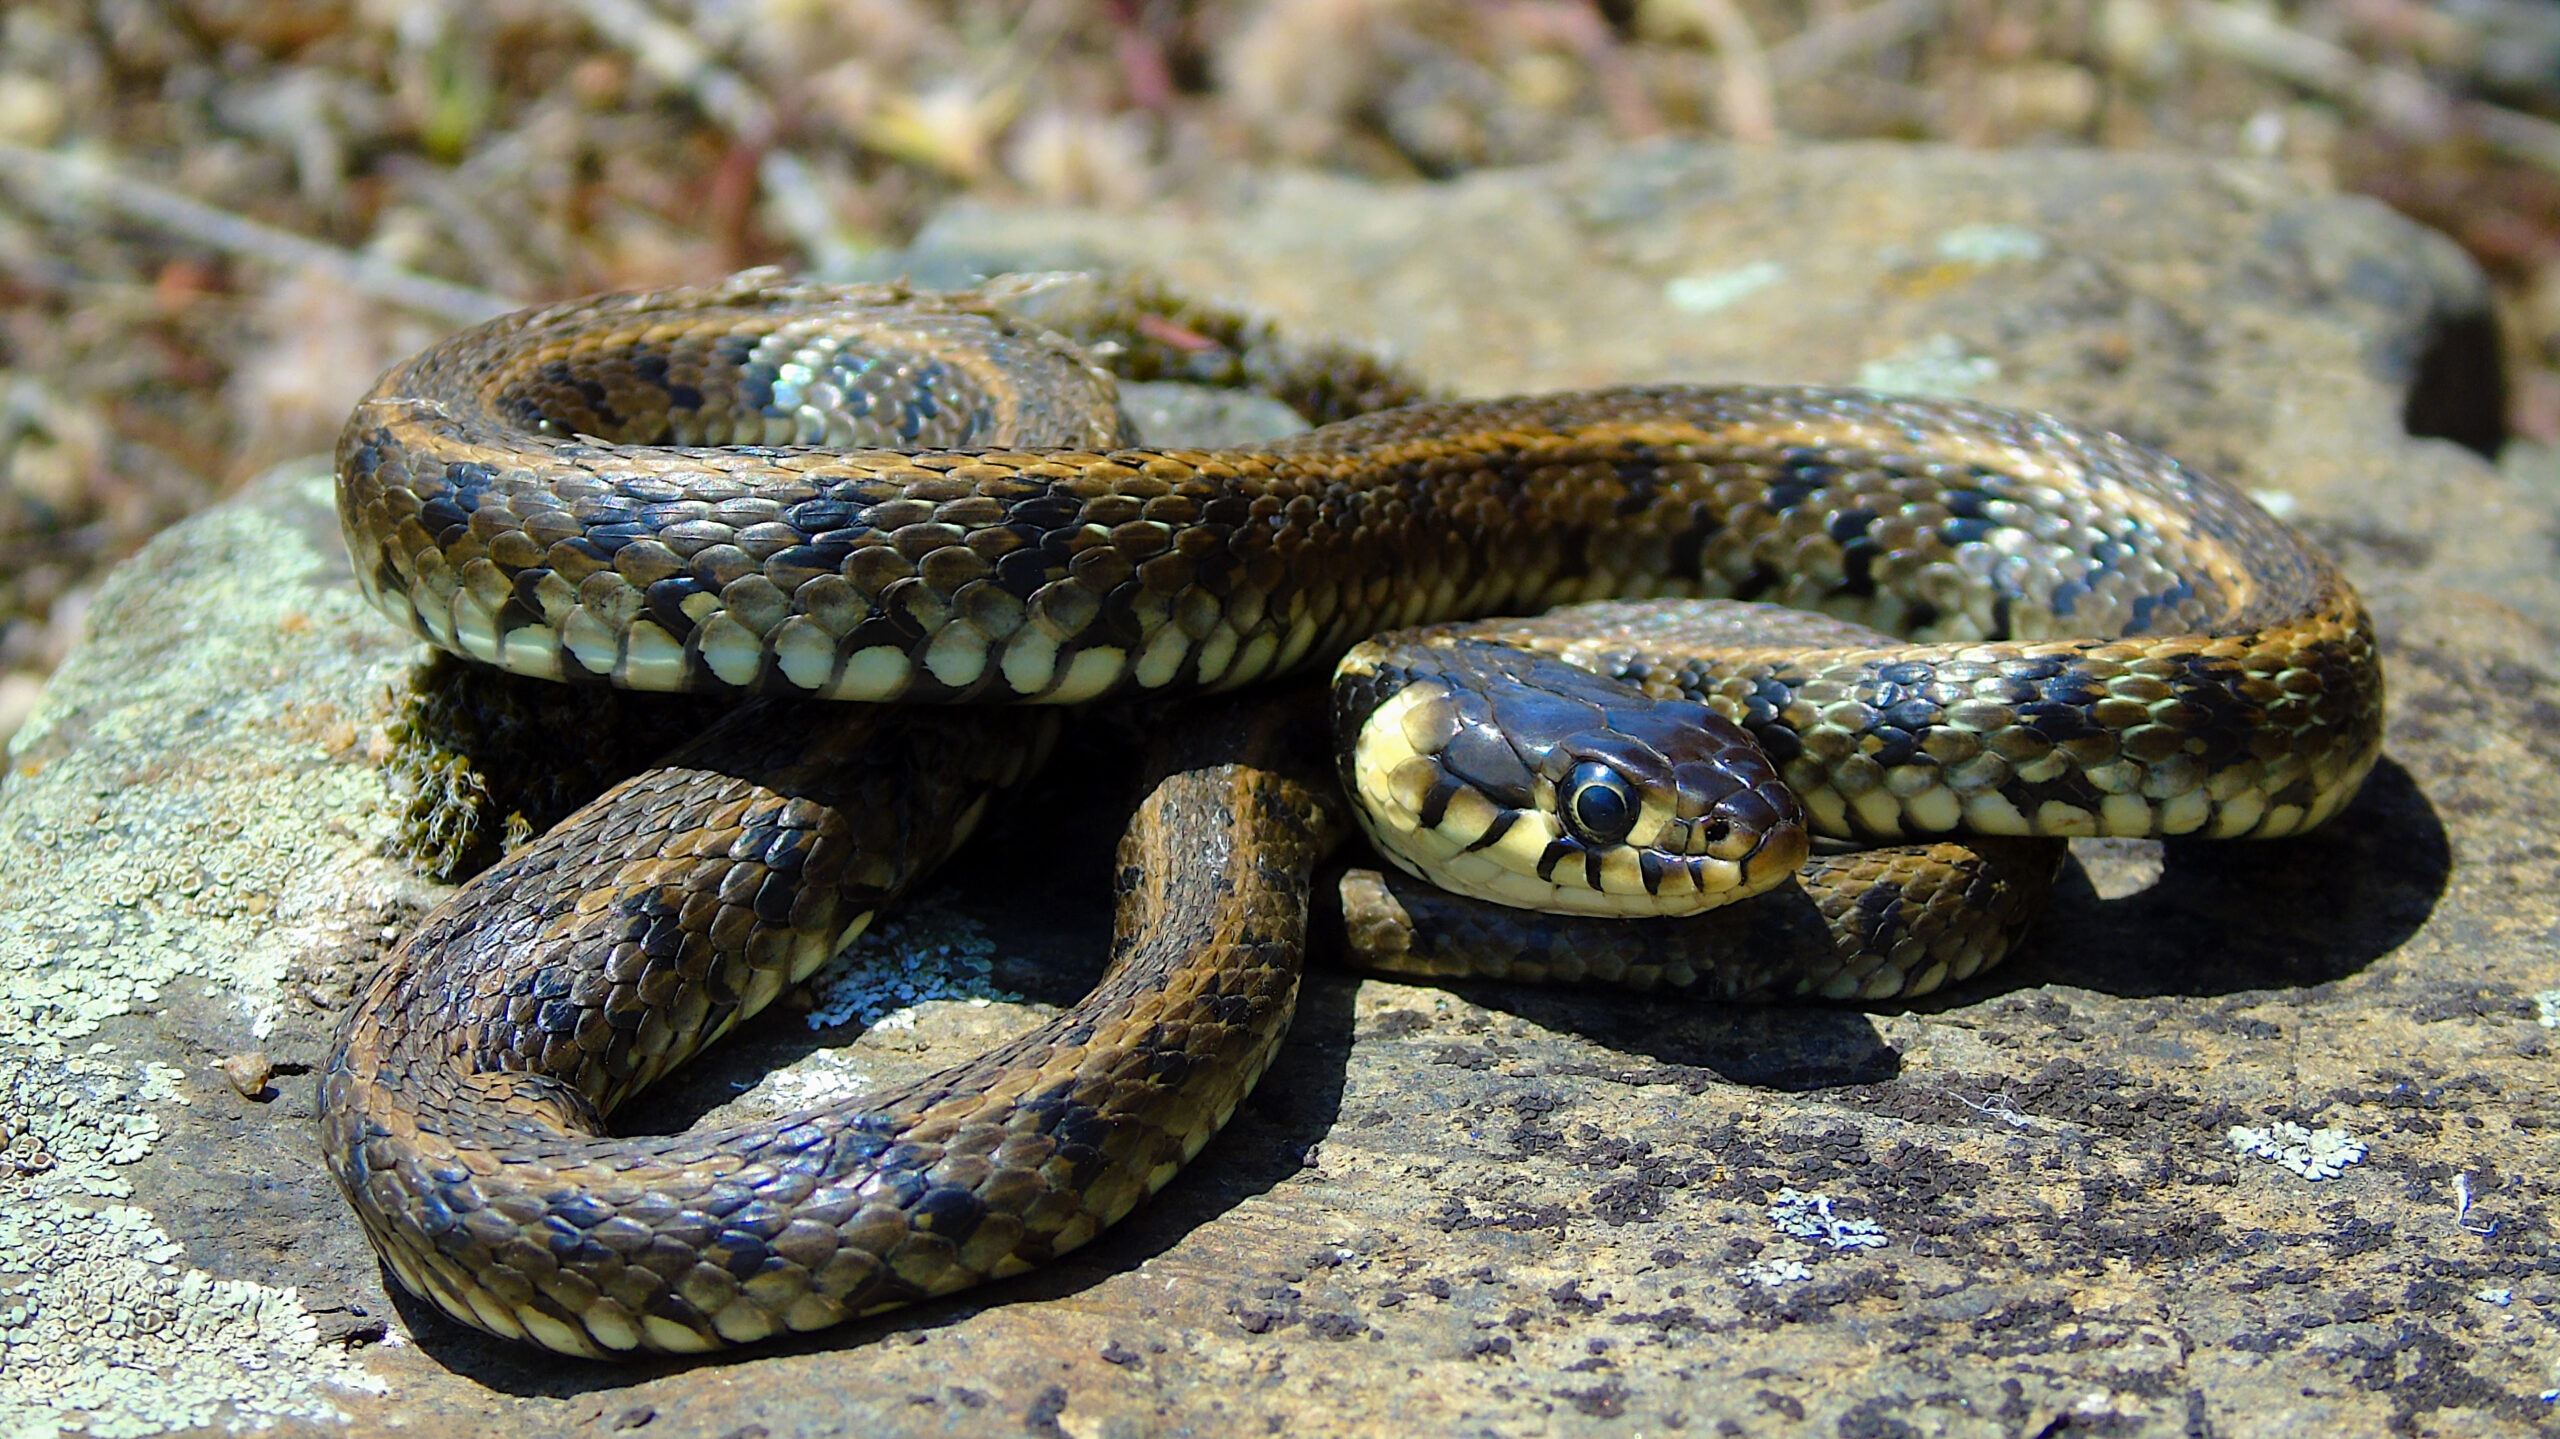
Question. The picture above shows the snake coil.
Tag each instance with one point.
(864, 493)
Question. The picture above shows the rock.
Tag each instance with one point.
(2081, 1192)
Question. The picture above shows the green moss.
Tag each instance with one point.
(485, 761)
(1141, 329)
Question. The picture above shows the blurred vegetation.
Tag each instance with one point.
(219, 219)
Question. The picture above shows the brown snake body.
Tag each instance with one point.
(791, 489)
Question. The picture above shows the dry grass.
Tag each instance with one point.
(219, 218)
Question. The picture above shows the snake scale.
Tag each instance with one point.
(868, 494)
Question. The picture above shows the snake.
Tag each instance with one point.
(905, 529)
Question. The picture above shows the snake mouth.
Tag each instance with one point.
(1525, 782)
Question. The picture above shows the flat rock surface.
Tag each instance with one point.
(1498, 1210)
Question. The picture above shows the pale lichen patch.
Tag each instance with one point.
(1937, 365)
(190, 804)
(1809, 1217)
(2312, 1153)
(930, 952)
(172, 801)
(103, 1329)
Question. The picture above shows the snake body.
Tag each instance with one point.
(796, 490)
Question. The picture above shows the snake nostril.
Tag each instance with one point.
(1739, 832)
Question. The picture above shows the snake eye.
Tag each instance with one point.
(1599, 804)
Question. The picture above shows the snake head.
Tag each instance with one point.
(1511, 777)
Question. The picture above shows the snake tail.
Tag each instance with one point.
(474, 1152)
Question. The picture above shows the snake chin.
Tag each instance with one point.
(1512, 778)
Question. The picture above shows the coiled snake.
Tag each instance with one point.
(865, 494)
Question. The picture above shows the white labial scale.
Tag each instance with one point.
(475, 627)
(2185, 813)
(1254, 657)
(1878, 811)
(2125, 815)
(1463, 820)
(2054, 817)
(730, 650)
(1160, 659)
(651, 658)
(1374, 763)
(435, 616)
(2239, 815)
(1622, 876)
(1217, 650)
(532, 650)
(1934, 810)
(1717, 882)
(1515, 858)
(1302, 635)
(494, 1316)
(551, 1334)
(812, 1311)
(591, 641)
(1464, 873)
(1030, 660)
(1824, 807)
(1520, 891)
(1091, 672)
(1990, 812)
(805, 652)
(611, 1325)
(675, 1338)
(958, 655)
(742, 1321)
(877, 673)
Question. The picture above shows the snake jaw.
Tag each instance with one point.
(1529, 783)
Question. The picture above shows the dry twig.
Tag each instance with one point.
(2399, 101)
(47, 178)
(1835, 41)
(1746, 103)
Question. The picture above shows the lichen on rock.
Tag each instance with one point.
(105, 1329)
(173, 819)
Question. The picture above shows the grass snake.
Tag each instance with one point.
(925, 504)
